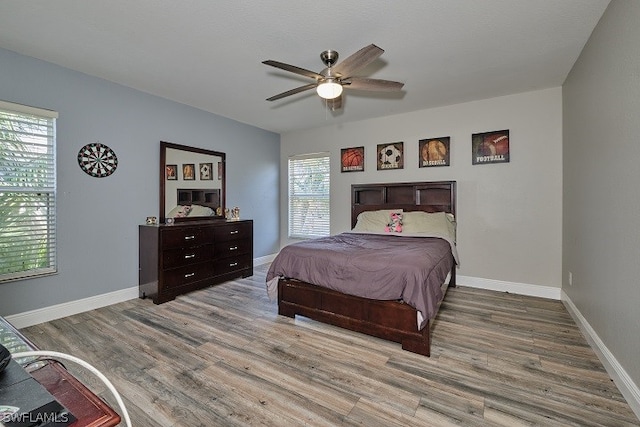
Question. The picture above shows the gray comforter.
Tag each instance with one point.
(382, 267)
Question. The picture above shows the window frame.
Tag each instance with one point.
(317, 193)
(28, 192)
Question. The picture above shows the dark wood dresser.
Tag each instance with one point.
(179, 258)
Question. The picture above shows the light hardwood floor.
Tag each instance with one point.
(223, 357)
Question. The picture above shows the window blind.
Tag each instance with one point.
(27, 192)
(309, 208)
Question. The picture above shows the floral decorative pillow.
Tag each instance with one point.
(395, 223)
(373, 221)
(179, 211)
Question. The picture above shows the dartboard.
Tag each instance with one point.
(97, 160)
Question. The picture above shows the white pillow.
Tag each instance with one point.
(374, 221)
(423, 222)
(198, 210)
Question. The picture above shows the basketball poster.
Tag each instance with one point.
(391, 156)
(434, 152)
(352, 159)
(490, 147)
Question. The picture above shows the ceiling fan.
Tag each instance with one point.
(330, 81)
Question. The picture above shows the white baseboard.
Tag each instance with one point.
(622, 380)
(264, 259)
(46, 314)
(511, 287)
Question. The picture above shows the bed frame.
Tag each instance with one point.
(390, 320)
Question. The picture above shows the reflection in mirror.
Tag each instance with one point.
(192, 183)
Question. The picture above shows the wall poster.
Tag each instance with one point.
(490, 147)
(434, 152)
(352, 159)
(391, 156)
(206, 173)
(188, 171)
(172, 172)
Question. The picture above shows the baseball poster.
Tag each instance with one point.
(434, 152)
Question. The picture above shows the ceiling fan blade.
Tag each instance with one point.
(334, 104)
(358, 60)
(362, 83)
(292, 92)
(293, 69)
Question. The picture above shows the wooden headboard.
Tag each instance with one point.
(199, 196)
(437, 196)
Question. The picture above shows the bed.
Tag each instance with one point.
(197, 202)
(399, 319)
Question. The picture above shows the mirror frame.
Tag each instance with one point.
(163, 160)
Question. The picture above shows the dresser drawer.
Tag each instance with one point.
(232, 248)
(186, 256)
(180, 237)
(184, 275)
(233, 231)
(233, 263)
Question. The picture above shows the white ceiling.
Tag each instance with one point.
(208, 53)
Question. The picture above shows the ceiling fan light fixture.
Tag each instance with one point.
(330, 81)
(329, 89)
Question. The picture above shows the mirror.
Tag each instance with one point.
(192, 183)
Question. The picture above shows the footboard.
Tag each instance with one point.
(389, 320)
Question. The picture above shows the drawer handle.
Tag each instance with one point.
(189, 237)
(189, 256)
(233, 264)
(233, 248)
(189, 275)
(233, 232)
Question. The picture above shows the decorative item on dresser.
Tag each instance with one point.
(179, 258)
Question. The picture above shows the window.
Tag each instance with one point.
(27, 192)
(309, 195)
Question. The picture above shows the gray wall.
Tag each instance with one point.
(509, 223)
(98, 217)
(601, 174)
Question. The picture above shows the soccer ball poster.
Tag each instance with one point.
(391, 156)
(352, 159)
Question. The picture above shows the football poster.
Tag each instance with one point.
(490, 147)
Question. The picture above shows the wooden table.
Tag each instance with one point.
(89, 409)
